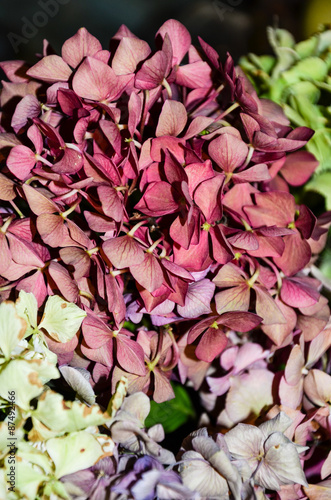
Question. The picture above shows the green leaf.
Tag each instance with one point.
(174, 413)
(61, 319)
(322, 184)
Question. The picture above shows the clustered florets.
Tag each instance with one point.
(154, 192)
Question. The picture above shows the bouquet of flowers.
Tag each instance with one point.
(156, 270)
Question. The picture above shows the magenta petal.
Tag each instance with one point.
(95, 80)
(80, 45)
(239, 321)
(296, 255)
(50, 69)
(297, 292)
(123, 251)
(130, 355)
(257, 173)
(245, 240)
(212, 343)
(70, 163)
(207, 196)
(111, 201)
(21, 161)
(172, 119)
(228, 152)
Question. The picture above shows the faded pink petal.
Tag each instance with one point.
(172, 119)
(80, 45)
(197, 301)
(95, 80)
(21, 161)
(129, 53)
(233, 299)
(28, 107)
(267, 308)
(50, 69)
(63, 281)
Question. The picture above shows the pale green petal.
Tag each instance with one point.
(79, 450)
(28, 480)
(12, 328)
(67, 416)
(61, 319)
(28, 453)
(27, 379)
(27, 308)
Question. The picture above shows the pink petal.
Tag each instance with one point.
(266, 307)
(5, 253)
(111, 201)
(207, 197)
(294, 366)
(95, 80)
(230, 275)
(115, 300)
(172, 119)
(28, 107)
(228, 152)
(96, 332)
(296, 255)
(195, 75)
(278, 332)
(7, 192)
(179, 36)
(23, 252)
(123, 251)
(212, 343)
(257, 173)
(63, 281)
(130, 355)
(273, 208)
(53, 232)
(50, 69)
(38, 203)
(296, 292)
(129, 53)
(80, 45)
(152, 71)
(21, 161)
(299, 167)
(148, 273)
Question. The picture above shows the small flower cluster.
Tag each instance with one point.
(151, 190)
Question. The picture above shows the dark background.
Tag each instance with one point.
(237, 26)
